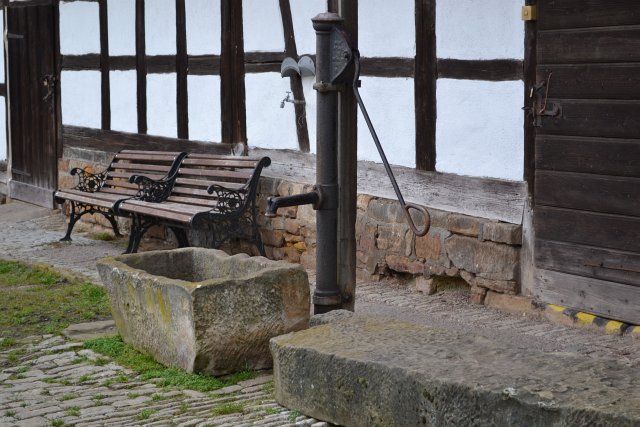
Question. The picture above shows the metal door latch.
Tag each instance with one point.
(542, 107)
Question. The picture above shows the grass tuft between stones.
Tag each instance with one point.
(228, 408)
(149, 369)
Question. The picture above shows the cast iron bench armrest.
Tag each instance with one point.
(87, 181)
(152, 190)
(228, 200)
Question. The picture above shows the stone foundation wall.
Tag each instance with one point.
(484, 253)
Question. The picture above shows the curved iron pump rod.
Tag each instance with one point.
(274, 203)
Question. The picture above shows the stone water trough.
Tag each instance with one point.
(202, 310)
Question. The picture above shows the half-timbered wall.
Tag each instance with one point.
(168, 83)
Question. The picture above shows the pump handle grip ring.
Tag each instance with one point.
(427, 219)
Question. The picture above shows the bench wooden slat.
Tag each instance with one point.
(216, 173)
(146, 157)
(221, 163)
(126, 175)
(141, 167)
(190, 191)
(102, 200)
(210, 202)
(206, 183)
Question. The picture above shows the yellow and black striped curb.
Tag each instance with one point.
(613, 327)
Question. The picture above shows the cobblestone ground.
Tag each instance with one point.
(57, 383)
(46, 384)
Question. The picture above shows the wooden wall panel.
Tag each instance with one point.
(588, 228)
(593, 81)
(587, 13)
(596, 193)
(597, 118)
(606, 156)
(606, 299)
(615, 44)
(598, 263)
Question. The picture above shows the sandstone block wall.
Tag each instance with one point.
(482, 252)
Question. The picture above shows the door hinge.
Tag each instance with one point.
(529, 13)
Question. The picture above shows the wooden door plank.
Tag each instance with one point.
(596, 193)
(592, 81)
(608, 44)
(597, 263)
(607, 299)
(598, 118)
(588, 228)
(605, 156)
(587, 13)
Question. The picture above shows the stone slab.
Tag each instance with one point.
(360, 371)
(90, 330)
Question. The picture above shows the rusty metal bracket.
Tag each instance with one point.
(328, 87)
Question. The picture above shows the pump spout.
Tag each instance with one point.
(274, 203)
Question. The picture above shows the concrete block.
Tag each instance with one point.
(359, 371)
(202, 310)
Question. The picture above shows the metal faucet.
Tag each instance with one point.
(291, 100)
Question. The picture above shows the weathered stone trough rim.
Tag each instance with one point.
(246, 280)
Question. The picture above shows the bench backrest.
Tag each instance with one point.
(199, 171)
(127, 163)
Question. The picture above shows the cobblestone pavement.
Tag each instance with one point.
(37, 241)
(58, 383)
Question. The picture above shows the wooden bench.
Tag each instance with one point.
(100, 192)
(210, 191)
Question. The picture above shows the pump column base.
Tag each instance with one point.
(323, 303)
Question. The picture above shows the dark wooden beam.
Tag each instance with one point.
(105, 86)
(425, 85)
(141, 67)
(182, 69)
(388, 67)
(112, 141)
(232, 91)
(291, 50)
(529, 76)
(3, 89)
(489, 70)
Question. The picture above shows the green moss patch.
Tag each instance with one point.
(38, 300)
(149, 369)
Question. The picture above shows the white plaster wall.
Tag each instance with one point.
(3, 132)
(203, 27)
(81, 98)
(160, 27)
(124, 110)
(387, 28)
(122, 27)
(262, 26)
(2, 79)
(390, 104)
(310, 96)
(79, 28)
(302, 11)
(479, 130)
(268, 125)
(469, 29)
(204, 108)
(161, 105)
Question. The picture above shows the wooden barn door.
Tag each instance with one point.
(33, 105)
(587, 181)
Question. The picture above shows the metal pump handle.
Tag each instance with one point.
(418, 231)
